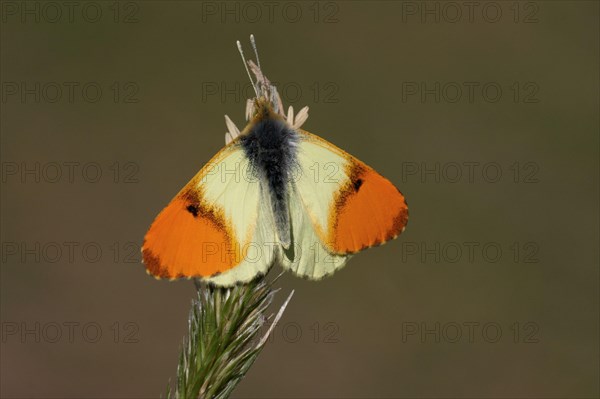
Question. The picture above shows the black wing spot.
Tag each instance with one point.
(357, 184)
(193, 210)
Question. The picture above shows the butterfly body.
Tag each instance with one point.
(271, 147)
(274, 194)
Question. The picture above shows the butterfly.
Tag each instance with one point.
(274, 194)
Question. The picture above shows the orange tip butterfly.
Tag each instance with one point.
(261, 200)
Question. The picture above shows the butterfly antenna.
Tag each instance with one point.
(239, 45)
(261, 79)
(255, 50)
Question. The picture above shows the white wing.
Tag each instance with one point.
(214, 226)
(307, 256)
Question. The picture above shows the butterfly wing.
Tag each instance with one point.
(215, 226)
(308, 257)
(350, 205)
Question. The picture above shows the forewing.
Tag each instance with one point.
(351, 206)
(206, 230)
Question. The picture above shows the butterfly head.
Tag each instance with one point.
(267, 102)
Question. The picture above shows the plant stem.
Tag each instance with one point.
(225, 336)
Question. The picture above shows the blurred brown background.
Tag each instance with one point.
(492, 291)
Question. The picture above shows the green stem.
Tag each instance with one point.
(225, 336)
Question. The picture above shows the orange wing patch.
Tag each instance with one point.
(190, 238)
(367, 211)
